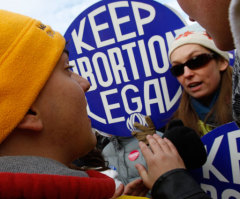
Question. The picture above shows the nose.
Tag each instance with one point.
(187, 72)
(84, 83)
(191, 19)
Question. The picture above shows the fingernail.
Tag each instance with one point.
(148, 136)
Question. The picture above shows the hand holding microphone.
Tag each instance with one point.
(186, 141)
(161, 158)
(179, 147)
(188, 144)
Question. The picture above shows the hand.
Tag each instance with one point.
(162, 157)
(134, 188)
(118, 192)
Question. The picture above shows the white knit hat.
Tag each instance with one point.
(188, 35)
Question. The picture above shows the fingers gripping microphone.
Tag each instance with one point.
(188, 144)
(186, 140)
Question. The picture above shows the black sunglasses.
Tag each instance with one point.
(193, 63)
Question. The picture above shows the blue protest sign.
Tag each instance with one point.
(121, 48)
(220, 175)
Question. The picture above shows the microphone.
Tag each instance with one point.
(188, 144)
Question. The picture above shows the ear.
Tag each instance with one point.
(223, 64)
(31, 121)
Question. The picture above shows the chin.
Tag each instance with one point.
(198, 97)
(93, 142)
(225, 45)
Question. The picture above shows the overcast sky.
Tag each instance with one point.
(59, 14)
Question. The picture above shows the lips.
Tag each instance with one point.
(195, 84)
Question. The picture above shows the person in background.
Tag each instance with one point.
(206, 77)
(221, 21)
(44, 124)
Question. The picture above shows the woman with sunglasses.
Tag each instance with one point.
(206, 77)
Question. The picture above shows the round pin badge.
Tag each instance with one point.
(133, 155)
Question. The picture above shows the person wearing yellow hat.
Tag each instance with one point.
(44, 124)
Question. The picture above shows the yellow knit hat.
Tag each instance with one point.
(29, 51)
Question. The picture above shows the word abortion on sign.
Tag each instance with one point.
(220, 175)
(121, 48)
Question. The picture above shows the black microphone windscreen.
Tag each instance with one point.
(188, 144)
